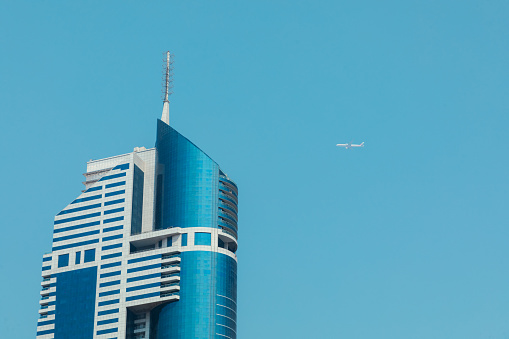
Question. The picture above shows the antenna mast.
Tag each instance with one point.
(167, 87)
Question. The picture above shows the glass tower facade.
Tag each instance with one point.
(147, 250)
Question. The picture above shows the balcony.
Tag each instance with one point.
(149, 241)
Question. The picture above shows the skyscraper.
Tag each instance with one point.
(147, 250)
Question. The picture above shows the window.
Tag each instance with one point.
(169, 241)
(231, 247)
(78, 258)
(63, 260)
(184, 239)
(160, 243)
(89, 255)
(220, 243)
(202, 238)
(137, 201)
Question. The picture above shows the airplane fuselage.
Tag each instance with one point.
(350, 145)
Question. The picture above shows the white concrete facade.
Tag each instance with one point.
(135, 272)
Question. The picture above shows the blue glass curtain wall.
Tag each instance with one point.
(75, 304)
(188, 185)
(208, 296)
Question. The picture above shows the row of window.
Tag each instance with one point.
(79, 209)
(97, 196)
(84, 234)
(89, 256)
(200, 238)
(90, 215)
(92, 241)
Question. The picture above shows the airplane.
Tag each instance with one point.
(350, 145)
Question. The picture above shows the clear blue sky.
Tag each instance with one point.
(404, 239)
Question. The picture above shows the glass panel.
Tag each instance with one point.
(90, 255)
(202, 238)
(63, 260)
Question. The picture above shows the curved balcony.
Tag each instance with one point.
(171, 260)
(170, 296)
(229, 183)
(170, 269)
(230, 204)
(171, 287)
(225, 221)
(228, 189)
(174, 277)
(227, 242)
(227, 213)
(229, 197)
(228, 229)
(229, 194)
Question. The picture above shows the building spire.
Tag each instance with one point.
(167, 86)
